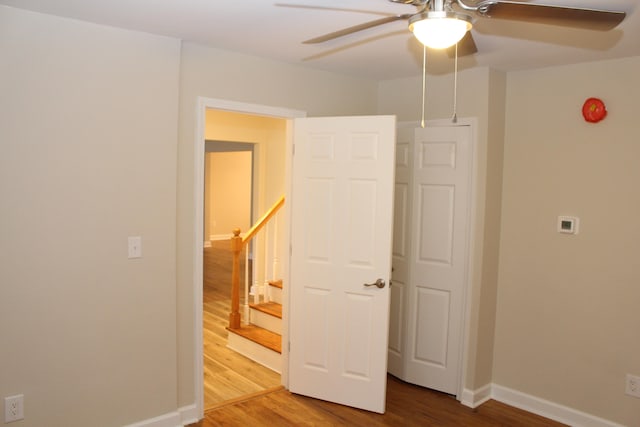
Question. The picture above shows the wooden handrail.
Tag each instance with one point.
(263, 221)
(237, 243)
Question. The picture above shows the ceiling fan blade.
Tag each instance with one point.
(466, 46)
(329, 8)
(356, 28)
(590, 19)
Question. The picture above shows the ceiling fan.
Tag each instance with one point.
(444, 23)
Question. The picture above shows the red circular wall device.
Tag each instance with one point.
(594, 110)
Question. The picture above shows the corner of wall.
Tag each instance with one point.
(488, 217)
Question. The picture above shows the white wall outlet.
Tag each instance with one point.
(632, 387)
(13, 408)
(135, 247)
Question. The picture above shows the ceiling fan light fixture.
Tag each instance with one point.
(439, 30)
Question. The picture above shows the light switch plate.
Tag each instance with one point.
(135, 247)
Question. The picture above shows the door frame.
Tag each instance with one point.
(204, 103)
(463, 359)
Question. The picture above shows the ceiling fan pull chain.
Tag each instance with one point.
(454, 119)
(424, 80)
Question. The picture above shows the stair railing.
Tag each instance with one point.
(238, 243)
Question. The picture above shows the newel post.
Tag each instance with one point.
(236, 248)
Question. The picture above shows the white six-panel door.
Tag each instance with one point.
(428, 308)
(342, 213)
(439, 265)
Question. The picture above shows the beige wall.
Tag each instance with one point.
(224, 75)
(229, 188)
(87, 143)
(567, 322)
(481, 96)
(269, 136)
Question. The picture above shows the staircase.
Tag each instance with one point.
(258, 335)
(260, 338)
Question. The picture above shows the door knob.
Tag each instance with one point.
(379, 283)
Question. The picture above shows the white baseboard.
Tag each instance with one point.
(207, 243)
(182, 417)
(475, 398)
(171, 419)
(472, 398)
(548, 409)
(533, 404)
(188, 414)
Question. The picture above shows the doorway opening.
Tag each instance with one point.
(259, 111)
(259, 134)
(228, 200)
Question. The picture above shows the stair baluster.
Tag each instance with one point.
(275, 268)
(237, 244)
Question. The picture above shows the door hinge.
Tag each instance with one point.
(293, 149)
(289, 346)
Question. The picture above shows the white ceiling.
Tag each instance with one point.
(263, 28)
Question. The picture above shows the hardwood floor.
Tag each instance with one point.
(227, 374)
(407, 405)
(240, 392)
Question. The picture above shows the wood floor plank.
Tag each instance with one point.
(253, 396)
(227, 374)
(407, 405)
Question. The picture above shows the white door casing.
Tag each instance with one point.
(441, 192)
(401, 248)
(342, 214)
(197, 412)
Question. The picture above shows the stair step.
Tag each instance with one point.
(275, 290)
(266, 338)
(272, 308)
(276, 283)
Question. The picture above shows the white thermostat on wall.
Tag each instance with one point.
(568, 224)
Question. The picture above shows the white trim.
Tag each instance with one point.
(548, 409)
(198, 230)
(286, 254)
(472, 122)
(188, 414)
(481, 395)
(172, 419)
(475, 398)
(472, 398)
(183, 416)
(207, 243)
(246, 108)
(533, 404)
